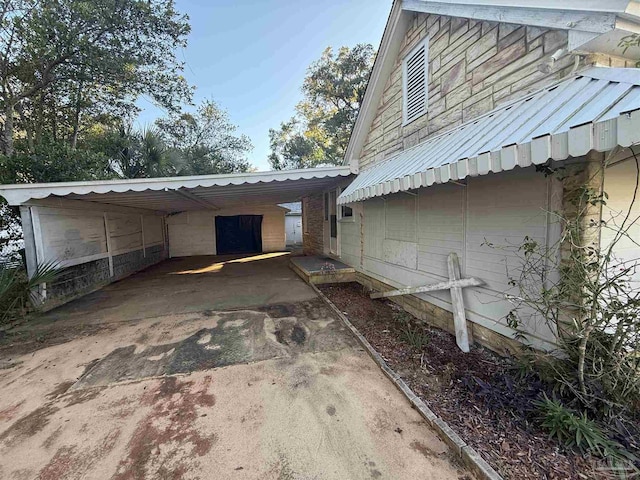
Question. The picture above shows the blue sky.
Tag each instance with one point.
(251, 56)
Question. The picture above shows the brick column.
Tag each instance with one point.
(313, 224)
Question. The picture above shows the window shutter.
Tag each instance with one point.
(415, 67)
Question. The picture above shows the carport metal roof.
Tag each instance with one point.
(174, 194)
(598, 109)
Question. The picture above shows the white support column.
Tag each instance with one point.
(144, 250)
(109, 249)
(29, 240)
(39, 244)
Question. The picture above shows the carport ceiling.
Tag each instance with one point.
(176, 194)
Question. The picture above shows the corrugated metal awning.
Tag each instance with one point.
(598, 109)
(187, 193)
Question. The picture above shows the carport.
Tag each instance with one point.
(102, 231)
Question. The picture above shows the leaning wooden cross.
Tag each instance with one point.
(455, 284)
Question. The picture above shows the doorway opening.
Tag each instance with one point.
(238, 234)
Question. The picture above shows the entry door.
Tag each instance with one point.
(238, 234)
(333, 223)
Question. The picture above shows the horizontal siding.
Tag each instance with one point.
(619, 184)
(400, 217)
(125, 231)
(500, 209)
(152, 230)
(350, 242)
(69, 234)
(441, 227)
(374, 227)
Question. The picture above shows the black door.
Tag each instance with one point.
(239, 234)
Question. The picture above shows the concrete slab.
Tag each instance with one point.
(276, 391)
(317, 264)
(190, 284)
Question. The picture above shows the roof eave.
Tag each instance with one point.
(392, 37)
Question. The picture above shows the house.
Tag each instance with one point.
(469, 103)
(468, 106)
(103, 231)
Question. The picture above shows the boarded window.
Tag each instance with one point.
(415, 82)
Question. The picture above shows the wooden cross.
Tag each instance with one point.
(455, 285)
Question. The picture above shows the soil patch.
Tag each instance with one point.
(475, 393)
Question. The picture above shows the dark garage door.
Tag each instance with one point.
(239, 234)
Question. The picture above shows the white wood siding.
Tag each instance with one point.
(193, 233)
(373, 227)
(501, 209)
(72, 234)
(619, 184)
(440, 227)
(125, 232)
(349, 231)
(152, 230)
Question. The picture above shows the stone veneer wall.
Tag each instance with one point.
(313, 224)
(473, 68)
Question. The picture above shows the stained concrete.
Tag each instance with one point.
(230, 338)
(278, 390)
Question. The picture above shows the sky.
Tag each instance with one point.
(251, 56)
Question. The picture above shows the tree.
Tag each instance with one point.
(205, 141)
(140, 154)
(57, 57)
(333, 91)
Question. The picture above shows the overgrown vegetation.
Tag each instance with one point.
(415, 336)
(20, 294)
(576, 430)
(583, 291)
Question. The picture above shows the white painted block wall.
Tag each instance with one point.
(407, 239)
(193, 233)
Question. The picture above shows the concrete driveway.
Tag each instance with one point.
(207, 367)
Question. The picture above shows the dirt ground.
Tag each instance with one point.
(142, 382)
(477, 393)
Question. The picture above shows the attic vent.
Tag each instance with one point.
(415, 67)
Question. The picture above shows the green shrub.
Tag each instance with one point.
(578, 431)
(415, 336)
(18, 292)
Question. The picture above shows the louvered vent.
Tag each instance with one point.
(415, 83)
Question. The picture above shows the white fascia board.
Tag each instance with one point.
(383, 65)
(20, 193)
(616, 6)
(600, 21)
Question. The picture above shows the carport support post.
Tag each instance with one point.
(109, 250)
(29, 240)
(144, 250)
